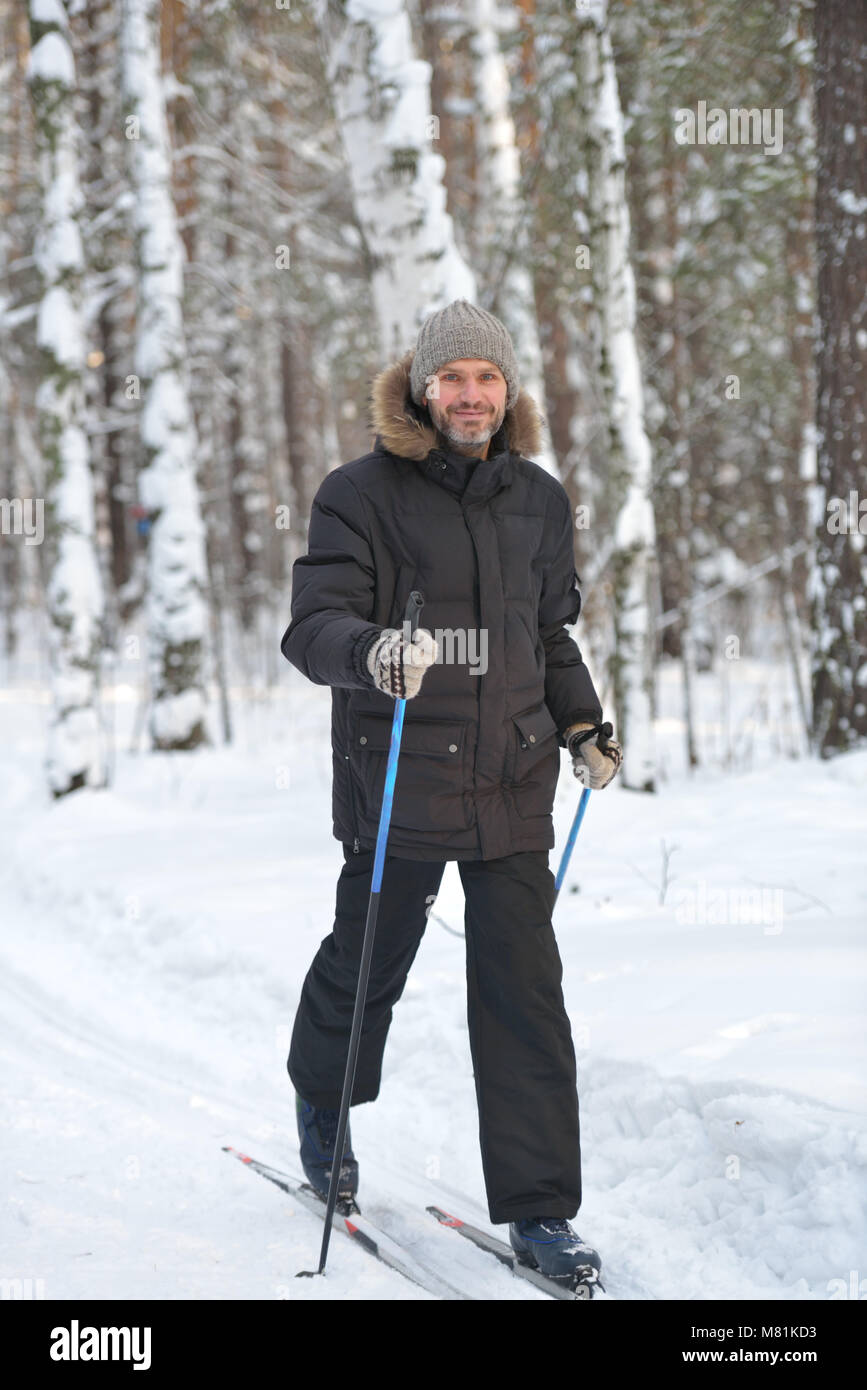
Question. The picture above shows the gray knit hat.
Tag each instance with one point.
(462, 330)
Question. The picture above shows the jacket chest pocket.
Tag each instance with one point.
(523, 554)
(431, 791)
(533, 764)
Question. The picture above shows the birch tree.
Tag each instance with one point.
(381, 93)
(167, 485)
(503, 230)
(629, 448)
(74, 596)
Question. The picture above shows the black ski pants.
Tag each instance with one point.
(520, 1038)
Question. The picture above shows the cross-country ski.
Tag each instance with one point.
(581, 1284)
(349, 1219)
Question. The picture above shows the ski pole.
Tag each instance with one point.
(410, 622)
(602, 738)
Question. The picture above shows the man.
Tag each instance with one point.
(448, 503)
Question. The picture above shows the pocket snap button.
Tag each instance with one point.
(532, 738)
(362, 739)
(453, 748)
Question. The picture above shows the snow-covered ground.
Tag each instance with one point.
(156, 935)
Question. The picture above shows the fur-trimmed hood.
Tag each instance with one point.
(408, 431)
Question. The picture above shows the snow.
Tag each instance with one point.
(851, 203)
(59, 327)
(156, 936)
(51, 60)
(48, 12)
(175, 715)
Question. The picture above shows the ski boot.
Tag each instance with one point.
(317, 1130)
(549, 1244)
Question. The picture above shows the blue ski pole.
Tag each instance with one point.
(602, 738)
(410, 622)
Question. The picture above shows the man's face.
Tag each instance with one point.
(467, 403)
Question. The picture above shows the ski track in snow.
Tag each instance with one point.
(155, 940)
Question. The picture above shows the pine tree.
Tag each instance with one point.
(840, 576)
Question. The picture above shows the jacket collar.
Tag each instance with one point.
(404, 429)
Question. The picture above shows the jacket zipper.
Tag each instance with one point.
(356, 847)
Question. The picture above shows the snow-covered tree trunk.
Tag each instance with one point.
(839, 577)
(500, 214)
(108, 298)
(74, 594)
(629, 448)
(177, 615)
(788, 496)
(10, 560)
(682, 477)
(382, 98)
(104, 269)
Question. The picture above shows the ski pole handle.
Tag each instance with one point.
(414, 605)
(605, 732)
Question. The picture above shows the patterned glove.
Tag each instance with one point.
(398, 666)
(596, 756)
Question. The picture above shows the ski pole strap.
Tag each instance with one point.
(601, 732)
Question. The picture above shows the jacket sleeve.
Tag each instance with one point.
(333, 591)
(569, 690)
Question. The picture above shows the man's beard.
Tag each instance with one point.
(466, 435)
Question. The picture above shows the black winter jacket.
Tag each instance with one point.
(489, 544)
